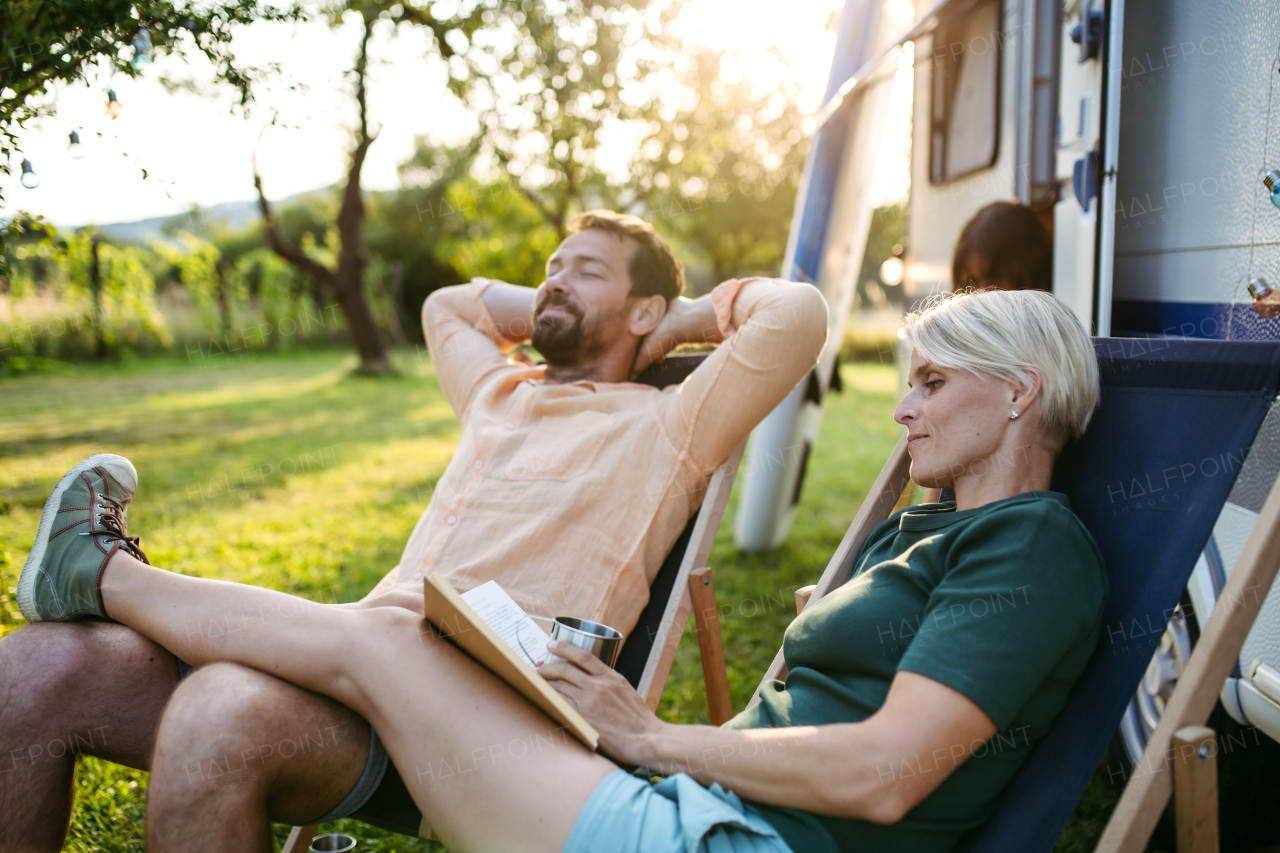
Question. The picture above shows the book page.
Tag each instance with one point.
(500, 612)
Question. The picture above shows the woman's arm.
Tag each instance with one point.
(876, 770)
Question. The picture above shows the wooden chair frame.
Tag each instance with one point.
(889, 488)
(693, 590)
(1164, 763)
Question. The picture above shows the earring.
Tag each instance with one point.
(1013, 416)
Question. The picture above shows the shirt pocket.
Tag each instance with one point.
(561, 447)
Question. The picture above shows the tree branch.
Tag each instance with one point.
(504, 160)
(281, 245)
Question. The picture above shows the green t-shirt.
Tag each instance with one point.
(1003, 603)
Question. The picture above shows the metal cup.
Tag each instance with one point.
(334, 842)
(601, 640)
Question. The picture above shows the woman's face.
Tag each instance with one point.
(956, 422)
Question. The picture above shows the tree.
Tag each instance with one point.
(407, 227)
(720, 167)
(43, 43)
(562, 61)
(545, 83)
(345, 276)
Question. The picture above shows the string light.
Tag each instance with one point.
(1265, 300)
(141, 49)
(1271, 180)
(114, 107)
(74, 149)
(29, 179)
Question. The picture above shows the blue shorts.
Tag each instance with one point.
(627, 814)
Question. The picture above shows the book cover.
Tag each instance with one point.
(459, 622)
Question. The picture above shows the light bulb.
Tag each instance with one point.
(1271, 180)
(1265, 300)
(74, 149)
(141, 49)
(114, 107)
(29, 179)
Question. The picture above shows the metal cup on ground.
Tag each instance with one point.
(601, 640)
(334, 842)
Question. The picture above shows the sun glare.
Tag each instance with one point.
(790, 41)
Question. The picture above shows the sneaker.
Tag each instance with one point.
(82, 527)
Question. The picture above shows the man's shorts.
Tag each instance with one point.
(379, 797)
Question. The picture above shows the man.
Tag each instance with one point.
(569, 486)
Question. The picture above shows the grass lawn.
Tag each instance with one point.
(285, 471)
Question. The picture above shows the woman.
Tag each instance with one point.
(914, 693)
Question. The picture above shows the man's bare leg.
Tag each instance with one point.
(101, 689)
(88, 687)
(237, 749)
(487, 769)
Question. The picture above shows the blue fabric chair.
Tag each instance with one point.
(1148, 479)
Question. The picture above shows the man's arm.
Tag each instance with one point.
(770, 334)
(468, 329)
(687, 321)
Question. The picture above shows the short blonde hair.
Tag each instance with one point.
(1001, 333)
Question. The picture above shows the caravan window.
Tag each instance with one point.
(965, 97)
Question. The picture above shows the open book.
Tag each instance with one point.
(490, 627)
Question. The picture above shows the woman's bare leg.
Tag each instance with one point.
(488, 771)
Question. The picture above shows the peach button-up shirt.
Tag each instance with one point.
(571, 495)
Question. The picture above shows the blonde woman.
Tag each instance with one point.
(914, 692)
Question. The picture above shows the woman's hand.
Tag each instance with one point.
(606, 699)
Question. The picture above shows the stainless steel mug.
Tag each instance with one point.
(601, 640)
(334, 842)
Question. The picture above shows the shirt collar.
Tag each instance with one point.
(936, 516)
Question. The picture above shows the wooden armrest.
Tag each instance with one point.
(1195, 784)
(803, 594)
(706, 616)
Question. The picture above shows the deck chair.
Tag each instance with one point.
(1148, 480)
(682, 585)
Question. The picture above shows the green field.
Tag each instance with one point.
(285, 471)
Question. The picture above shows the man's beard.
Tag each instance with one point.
(562, 341)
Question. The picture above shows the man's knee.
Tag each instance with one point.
(93, 687)
(56, 668)
(229, 726)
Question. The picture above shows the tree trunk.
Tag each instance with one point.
(347, 281)
(95, 286)
(353, 257)
(224, 299)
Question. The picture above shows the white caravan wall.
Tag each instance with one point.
(937, 213)
(1193, 120)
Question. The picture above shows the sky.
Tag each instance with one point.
(196, 150)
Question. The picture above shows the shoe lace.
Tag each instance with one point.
(111, 524)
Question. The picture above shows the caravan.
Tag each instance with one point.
(1145, 136)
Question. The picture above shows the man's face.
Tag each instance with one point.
(581, 309)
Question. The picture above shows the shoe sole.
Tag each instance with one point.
(119, 468)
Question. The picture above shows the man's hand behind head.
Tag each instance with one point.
(687, 321)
